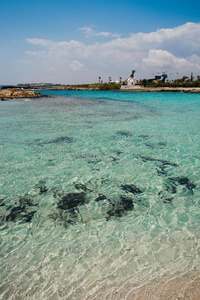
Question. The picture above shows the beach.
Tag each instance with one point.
(100, 196)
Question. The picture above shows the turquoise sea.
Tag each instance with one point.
(99, 193)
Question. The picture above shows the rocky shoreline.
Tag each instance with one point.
(25, 93)
(18, 93)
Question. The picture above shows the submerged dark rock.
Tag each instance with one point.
(119, 209)
(28, 216)
(167, 200)
(169, 163)
(150, 146)
(57, 193)
(21, 213)
(114, 158)
(2, 202)
(161, 170)
(171, 188)
(67, 216)
(26, 200)
(42, 187)
(119, 152)
(143, 136)
(72, 200)
(2, 219)
(183, 181)
(60, 139)
(131, 188)
(164, 162)
(190, 185)
(54, 215)
(100, 197)
(81, 186)
(158, 145)
(127, 202)
(124, 133)
(15, 212)
(70, 216)
(94, 160)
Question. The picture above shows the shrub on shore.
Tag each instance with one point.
(109, 86)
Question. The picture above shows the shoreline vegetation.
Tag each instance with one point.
(30, 91)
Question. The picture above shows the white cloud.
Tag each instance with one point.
(195, 59)
(76, 65)
(40, 42)
(171, 49)
(90, 32)
(164, 59)
(41, 53)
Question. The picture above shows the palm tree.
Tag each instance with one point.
(120, 79)
(184, 78)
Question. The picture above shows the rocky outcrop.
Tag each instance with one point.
(18, 93)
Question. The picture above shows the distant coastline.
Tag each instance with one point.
(32, 91)
(136, 88)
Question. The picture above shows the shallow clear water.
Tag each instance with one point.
(132, 160)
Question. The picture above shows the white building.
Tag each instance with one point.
(131, 79)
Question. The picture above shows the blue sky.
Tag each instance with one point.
(78, 41)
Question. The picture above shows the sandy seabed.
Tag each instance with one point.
(186, 287)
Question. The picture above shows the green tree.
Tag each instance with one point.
(144, 82)
(184, 78)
